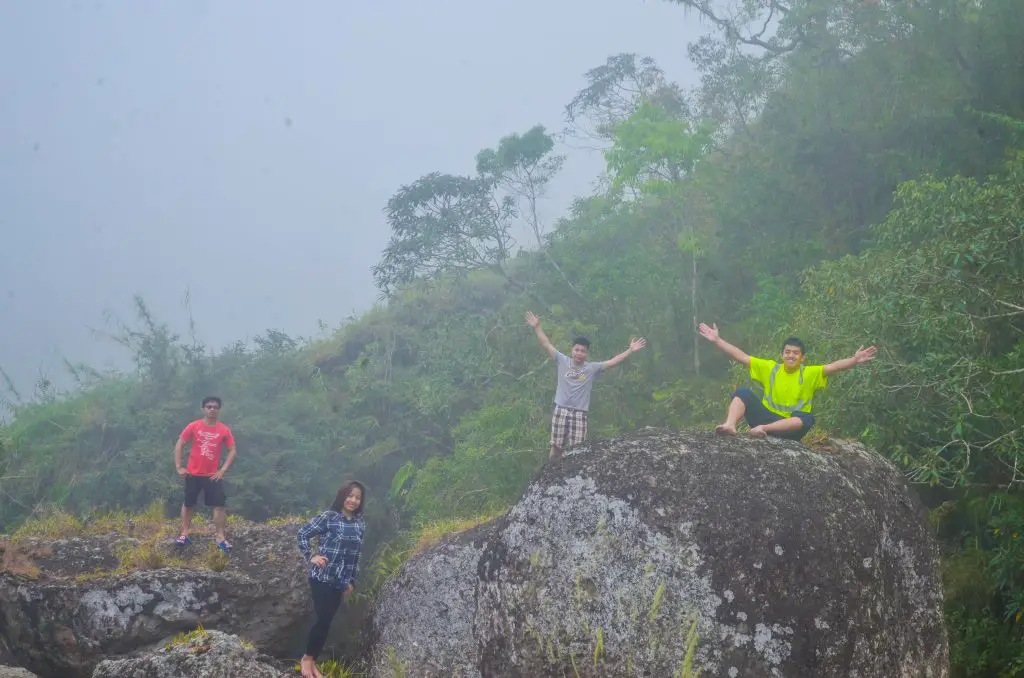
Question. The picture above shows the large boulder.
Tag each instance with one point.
(770, 558)
(200, 654)
(67, 604)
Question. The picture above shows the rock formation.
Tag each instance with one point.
(772, 558)
(200, 654)
(67, 604)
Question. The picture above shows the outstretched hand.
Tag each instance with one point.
(532, 320)
(637, 343)
(709, 333)
(864, 355)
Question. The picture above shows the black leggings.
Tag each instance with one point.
(326, 601)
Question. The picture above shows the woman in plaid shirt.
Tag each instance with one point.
(332, 574)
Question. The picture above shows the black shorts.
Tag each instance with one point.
(213, 491)
(757, 414)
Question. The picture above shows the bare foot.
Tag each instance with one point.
(309, 669)
(725, 429)
(758, 432)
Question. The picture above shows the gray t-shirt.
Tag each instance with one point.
(575, 382)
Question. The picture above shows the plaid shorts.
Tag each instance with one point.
(568, 426)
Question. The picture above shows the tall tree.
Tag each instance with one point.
(443, 224)
(653, 151)
(613, 93)
(523, 166)
(754, 43)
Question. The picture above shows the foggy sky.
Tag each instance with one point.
(244, 151)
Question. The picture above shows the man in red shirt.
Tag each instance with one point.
(208, 437)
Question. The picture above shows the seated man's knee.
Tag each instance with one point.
(806, 422)
(746, 395)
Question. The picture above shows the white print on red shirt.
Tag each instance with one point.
(209, 443)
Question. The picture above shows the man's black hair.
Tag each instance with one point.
(211, 399)
(582, 341)
(793, 341)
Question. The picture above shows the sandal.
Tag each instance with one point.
(224, 546)
(183, 540)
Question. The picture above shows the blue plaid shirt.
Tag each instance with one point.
(339, 540)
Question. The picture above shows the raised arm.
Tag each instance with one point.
(711, 334)
(635, 345)
(534, 322)
(863, 355)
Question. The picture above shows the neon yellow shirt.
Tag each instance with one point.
(785, 392)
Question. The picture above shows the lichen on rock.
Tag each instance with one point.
(76, 607)
(16, 672)
(201, 654)
(789, 561)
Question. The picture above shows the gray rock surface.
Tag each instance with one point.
(208, 654)
(437, 636)
(6, 656)
(789, 561)
(58, 623)
(15, 672)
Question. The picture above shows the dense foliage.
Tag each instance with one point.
(846, 171)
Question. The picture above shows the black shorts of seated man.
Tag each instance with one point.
(784, 410)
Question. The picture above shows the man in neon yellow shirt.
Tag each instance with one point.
(784, 411)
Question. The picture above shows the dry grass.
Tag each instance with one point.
(151, 548)
(332, 668)
(56, 523)
(17, 561)
(818, 438)
(87, 577)
(214, 559)
(155, 554)
(50, 523)
(151, 519)
(197, 634)
(431, 533)
(285, 520)
(146, 555)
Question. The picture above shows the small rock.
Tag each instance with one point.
(200, 655)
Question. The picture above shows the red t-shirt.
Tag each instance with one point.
(207, 443)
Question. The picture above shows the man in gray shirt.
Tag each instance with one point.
(576, 378)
